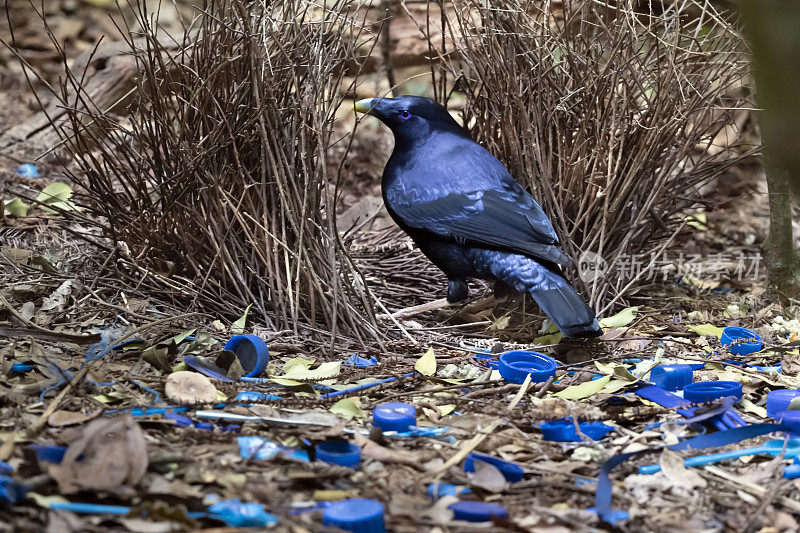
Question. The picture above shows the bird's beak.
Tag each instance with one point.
(364, 106)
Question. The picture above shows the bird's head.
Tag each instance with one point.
(411, 118)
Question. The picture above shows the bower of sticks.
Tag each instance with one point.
(176, 175)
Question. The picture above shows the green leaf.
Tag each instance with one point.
(426, 365)
(623, 318)
(347, 408)
(238, 326)
(585, 389)
(706, 329)
(53, 193)
(17, 207)
(297, 361)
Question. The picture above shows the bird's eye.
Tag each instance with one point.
(405, 115)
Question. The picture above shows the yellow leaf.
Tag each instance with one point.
(623, 318)
(323, 371)
(706, 329)
(446, 409)
(348, 408)
(585, 389)
(426, 365)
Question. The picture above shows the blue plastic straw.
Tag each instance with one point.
(365, 386)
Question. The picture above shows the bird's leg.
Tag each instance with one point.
(457, 290)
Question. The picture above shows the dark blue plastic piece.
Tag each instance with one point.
(516, 365)
(707, 391)
(394, 416)
(779, 400)
(361, 362)
(49, 453)
(741, 341)
(563, 430)
(179, 419)
(671, 377)
(512, 472)
(238, 514)
(21, 367)
(5, 468)
(27, 170)
(437, 490)
(359, 515)
(11, 491)
(203, 425)
(478, 511)
(232, 428)
(340, 453)
(252, 352)
(792, 471)
(790, 419)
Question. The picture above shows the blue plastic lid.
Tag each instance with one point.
(706, 391)
(791, 419)
(340, 453)
(563, 430)
(671, 377)
(779, 400)
(512, 472)
(359, 515)
(394, 416)
(252, 352)
(437, 490)
(361, 362)
(477, 511)
(515, 365)
(732, 334)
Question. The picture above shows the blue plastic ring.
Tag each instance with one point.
(252, 352)
(517, 364)
(340, 453)
(706, 391)
(733, 333)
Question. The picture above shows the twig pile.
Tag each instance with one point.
(218, 182)
(612, 118)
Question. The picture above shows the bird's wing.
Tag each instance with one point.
(504, 216)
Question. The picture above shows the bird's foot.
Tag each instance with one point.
(457, 291)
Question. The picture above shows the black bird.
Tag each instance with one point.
(467, 214)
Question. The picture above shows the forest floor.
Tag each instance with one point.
(87, 413)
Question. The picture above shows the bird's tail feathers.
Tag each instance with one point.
(572, 316)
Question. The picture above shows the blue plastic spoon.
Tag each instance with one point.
(771, 447)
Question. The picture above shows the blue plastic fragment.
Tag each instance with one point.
(563, 430)
(512, 472)
(49, 453)
(437, 490)
(253, 396)
(21, 367)
(89, 508)
(359, 515)
(179, 419)
(779, 400)
(232, 428)
(27, 170)
(238, 514)
(261, 448)
(5, 468)
(477, 511)
(361, 362)
(11, 491)
(486, 360)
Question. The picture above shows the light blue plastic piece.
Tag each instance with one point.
(771, 447)
(238, 514)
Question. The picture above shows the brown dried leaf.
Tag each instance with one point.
(62, 418)
(114, 454)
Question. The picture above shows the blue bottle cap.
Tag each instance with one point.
(340, 453)
(779, 400)
(394, 416)
(437, 490)
(732, 334)
(671, 377)
(477, 511)
(512, 472)
(706, 391)
(791, 419)
(359, 515)
(252, 353)
(517, 364)
(563, 430)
